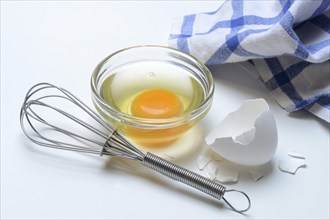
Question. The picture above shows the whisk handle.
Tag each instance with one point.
(183, 175)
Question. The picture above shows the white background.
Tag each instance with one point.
(61, 43)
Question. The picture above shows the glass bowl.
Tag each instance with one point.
(120, 79)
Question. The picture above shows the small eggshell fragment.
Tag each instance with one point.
(227, 173)
(256, 175)
(247, 136)
(211, 170)
(291, 165)
(202, 161)
(296, 154)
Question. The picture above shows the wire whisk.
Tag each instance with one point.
(53, 117)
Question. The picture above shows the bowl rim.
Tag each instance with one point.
(159, 122)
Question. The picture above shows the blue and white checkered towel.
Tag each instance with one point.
(286, 41)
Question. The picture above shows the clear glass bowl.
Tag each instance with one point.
(124, 74)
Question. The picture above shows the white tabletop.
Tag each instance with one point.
(61, 43)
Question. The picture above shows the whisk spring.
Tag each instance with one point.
(183, 175)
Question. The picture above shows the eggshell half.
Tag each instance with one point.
(247, 136)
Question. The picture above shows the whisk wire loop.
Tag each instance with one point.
(67, 132)
(31, 117)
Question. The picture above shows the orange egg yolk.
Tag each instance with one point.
(156, 103)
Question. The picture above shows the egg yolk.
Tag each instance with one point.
(156, 103)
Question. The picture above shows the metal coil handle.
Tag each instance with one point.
(190, 178)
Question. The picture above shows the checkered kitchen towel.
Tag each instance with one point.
(286, 41)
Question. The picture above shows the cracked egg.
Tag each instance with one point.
(247, 136)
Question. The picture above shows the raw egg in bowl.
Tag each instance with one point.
(152, 94)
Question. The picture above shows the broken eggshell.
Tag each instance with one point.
(247, 136)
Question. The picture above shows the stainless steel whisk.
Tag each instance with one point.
(42, 99)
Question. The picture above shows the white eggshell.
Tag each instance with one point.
(291, 165)
(247, 136)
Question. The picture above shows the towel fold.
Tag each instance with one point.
(287, 42)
